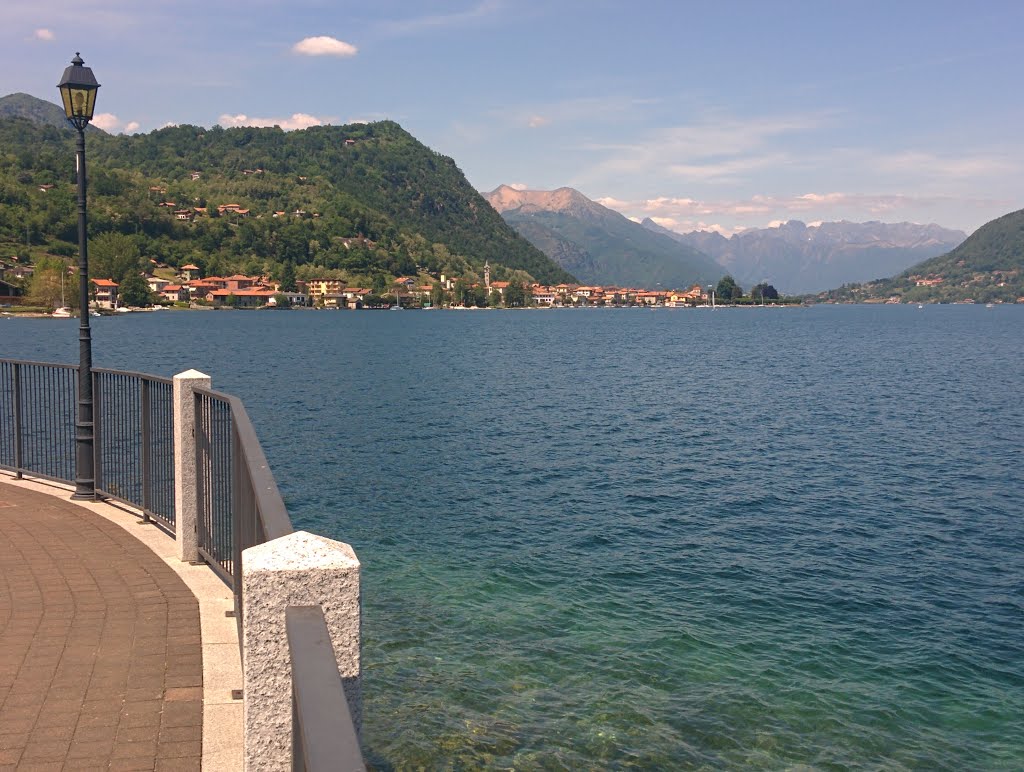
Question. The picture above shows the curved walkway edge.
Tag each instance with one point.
(114, 654)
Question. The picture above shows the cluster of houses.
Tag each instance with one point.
(242, 291)
(572, 295)
(334, 293)
(238, 290)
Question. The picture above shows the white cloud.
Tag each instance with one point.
(296, 121)
(666, 222)
(106, 121)
(43, 34)
(536, 121)
(323, 45)
(612, 203)
(114, 125)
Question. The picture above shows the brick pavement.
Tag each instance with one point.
(100, 658)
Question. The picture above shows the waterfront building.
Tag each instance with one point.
(105, 293)
(243, 298)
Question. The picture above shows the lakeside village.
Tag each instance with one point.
(190, 289)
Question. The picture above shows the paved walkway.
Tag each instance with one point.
(100, 651)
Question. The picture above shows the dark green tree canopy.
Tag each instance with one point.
(728, 289)
(134, 291)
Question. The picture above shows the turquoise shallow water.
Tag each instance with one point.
(661, 539)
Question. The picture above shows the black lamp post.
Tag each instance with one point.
(78, 91)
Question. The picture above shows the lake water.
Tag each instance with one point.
(651, 538)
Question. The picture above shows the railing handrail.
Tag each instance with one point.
(32, 363)
(131, 373)
(323, 737)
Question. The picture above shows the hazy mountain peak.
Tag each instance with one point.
(505, 198)
(598, 244)
(797, 257)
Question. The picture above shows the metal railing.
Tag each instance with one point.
(133, 418)
(322, 733)
(133, 431)
(37, 419)
(237, 500)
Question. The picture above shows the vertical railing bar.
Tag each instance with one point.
(200, 471)
(17, 421)
(146, 444)
(98, 395)
(53, 428)
(236, 520)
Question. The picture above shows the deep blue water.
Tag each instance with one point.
(662, 539)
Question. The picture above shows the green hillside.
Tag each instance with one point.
(363, 201)
(988, 267)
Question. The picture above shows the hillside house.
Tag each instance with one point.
(244, 298)
(105, 293)
(240, 282)
(189, 272)
(322, 287)
(354, 296)
(176, 293)
(296, 298)
(543, 296)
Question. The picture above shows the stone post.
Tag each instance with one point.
(299, 569)
(185, 473)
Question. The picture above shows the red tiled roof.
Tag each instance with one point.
(223, 293)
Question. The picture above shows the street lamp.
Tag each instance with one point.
(78, 92)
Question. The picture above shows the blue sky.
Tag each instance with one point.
(698, 114)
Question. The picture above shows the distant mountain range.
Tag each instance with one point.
(798, 258)
(987, 268)
(38, 111)
(599, 245)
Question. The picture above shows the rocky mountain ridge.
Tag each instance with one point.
(801, 258)
(599, 245)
